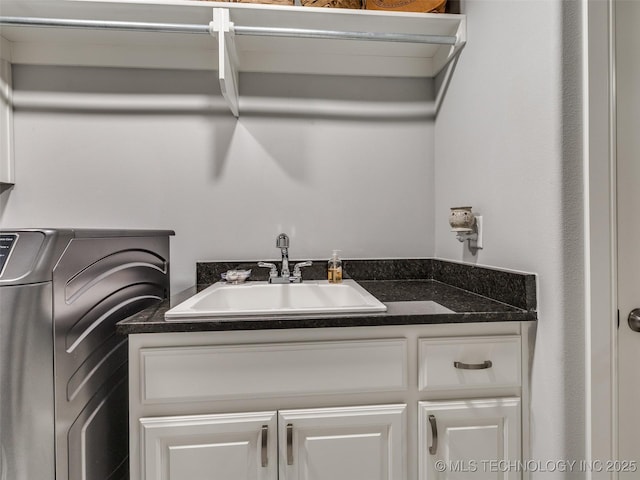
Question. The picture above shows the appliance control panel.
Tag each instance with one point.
(7, 241)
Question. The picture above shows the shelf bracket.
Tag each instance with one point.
(7, 157)
(443, 78)
(445, 70)
(222, 27)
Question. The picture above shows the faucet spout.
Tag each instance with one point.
(282, 243)
(285, 263)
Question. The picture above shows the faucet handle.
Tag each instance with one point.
(274, 270)
(298, 266)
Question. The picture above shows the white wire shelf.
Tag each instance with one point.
(229, 38)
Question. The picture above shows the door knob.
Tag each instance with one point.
(634, 319)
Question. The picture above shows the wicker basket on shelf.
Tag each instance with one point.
(424, 6)
(268, 2)
(333, 3)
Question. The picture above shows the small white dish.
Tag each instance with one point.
(236, 276)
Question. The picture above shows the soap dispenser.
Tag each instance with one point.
(335, 268)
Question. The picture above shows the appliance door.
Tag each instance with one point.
(97, 283)
(26, 383)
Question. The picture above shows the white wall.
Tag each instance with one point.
(508, 143)
(143, 149)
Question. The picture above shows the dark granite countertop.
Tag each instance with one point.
(471, 294)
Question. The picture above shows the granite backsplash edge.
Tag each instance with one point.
(513, 288)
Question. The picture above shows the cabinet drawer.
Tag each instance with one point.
(462, 363)
(181, 374)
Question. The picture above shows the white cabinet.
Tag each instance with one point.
(470, 439)
(201, 447)
(350, 443)
(357, 443)
(363, 403)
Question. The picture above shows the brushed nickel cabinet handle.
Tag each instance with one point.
(263, 449)
(289, 444)
(434, 435)
(473, 366)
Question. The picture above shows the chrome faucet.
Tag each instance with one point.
(282, 242)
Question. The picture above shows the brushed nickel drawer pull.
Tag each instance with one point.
(289, 444)
(434, 435)
(265, 441)
(473, 366)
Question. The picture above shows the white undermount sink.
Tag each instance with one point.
(262, 298)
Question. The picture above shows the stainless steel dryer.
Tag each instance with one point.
(63, 369)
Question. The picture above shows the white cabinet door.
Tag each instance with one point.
(470, 439)
(354, 443)
(202, 447)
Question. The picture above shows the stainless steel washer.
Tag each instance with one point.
(63, 369)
